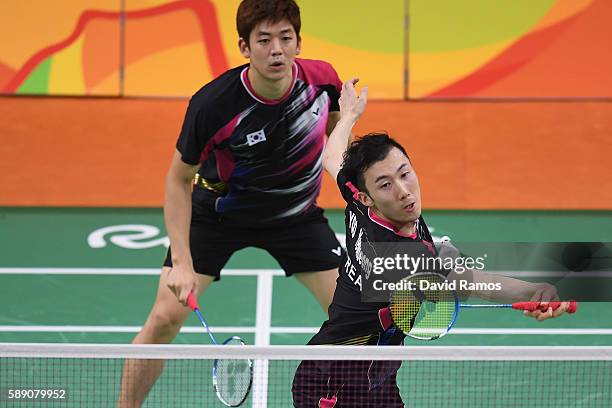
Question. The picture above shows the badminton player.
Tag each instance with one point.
(382, 192)
(252, 139)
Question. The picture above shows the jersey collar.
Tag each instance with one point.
(386, 224)
(249, 88)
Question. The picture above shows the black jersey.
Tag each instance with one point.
(265, 153)
(349, 316)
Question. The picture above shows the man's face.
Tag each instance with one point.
(272, 48)
(393, 189)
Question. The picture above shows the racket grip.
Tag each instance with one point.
(532, 306)
(192, 302)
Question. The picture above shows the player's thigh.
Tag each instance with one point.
(321, 284)
(318, 280)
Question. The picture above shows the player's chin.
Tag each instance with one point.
(275, 76)
(411, 214)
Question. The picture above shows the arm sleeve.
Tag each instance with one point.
(194, 133)
(334, 91)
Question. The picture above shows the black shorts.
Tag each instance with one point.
(304, 245)
(349, 381)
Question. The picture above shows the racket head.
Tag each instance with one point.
(423, 308)
(232, 378)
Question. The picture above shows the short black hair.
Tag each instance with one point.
(364, 152)
(252, 12)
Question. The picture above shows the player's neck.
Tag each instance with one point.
(269, 89)
(407, 229)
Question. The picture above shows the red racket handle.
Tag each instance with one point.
(531, 306)
(192, 302)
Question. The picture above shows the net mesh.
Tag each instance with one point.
(286, 376)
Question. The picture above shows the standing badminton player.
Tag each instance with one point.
(252, 139)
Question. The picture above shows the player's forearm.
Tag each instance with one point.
(511, 290)
(177, 216)
(336, 145)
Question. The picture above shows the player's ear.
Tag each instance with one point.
(243, 45)
(299, 45)
(365, 199)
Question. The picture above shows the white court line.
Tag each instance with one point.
(556, 274)
(281, 330)
(116, 329)
(606, 332)
(263, 323)
(273, 272)
(263, 316)
(509, 330)
(125, 271)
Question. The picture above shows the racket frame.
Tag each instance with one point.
(214, 376)
(193, 305)
(455, 312)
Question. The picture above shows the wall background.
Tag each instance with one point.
(502, 105)
(416, 49)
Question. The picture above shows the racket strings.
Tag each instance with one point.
(423, 312)
(232, 378)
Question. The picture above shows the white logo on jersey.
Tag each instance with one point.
(337, 251)
(352, 223)
(256, 137)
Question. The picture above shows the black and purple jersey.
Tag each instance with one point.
(266, 152)
(351, 320)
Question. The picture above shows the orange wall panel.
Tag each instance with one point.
(476, 155)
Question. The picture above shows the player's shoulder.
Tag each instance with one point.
(317, 72)
(223, 88)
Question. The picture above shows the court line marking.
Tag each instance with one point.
(263, 315)
(126, 271)
(273, 272)
(115, 329)
(263, 323)
(280, 330)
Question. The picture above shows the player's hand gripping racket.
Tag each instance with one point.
(424, 310)
(231, 378)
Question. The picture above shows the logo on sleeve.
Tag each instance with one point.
(256, 137)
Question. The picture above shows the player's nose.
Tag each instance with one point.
(403, 191)
(276, 46)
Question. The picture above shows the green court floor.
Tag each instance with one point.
(90, 276)
(64, 279)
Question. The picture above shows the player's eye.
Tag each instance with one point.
(385, 186)
(287, 38)
(264, 41)
(405, 174)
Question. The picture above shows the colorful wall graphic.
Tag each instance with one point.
(416, 48)
(510, 48)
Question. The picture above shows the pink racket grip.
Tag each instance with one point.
(531, 306)
(192, 302)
